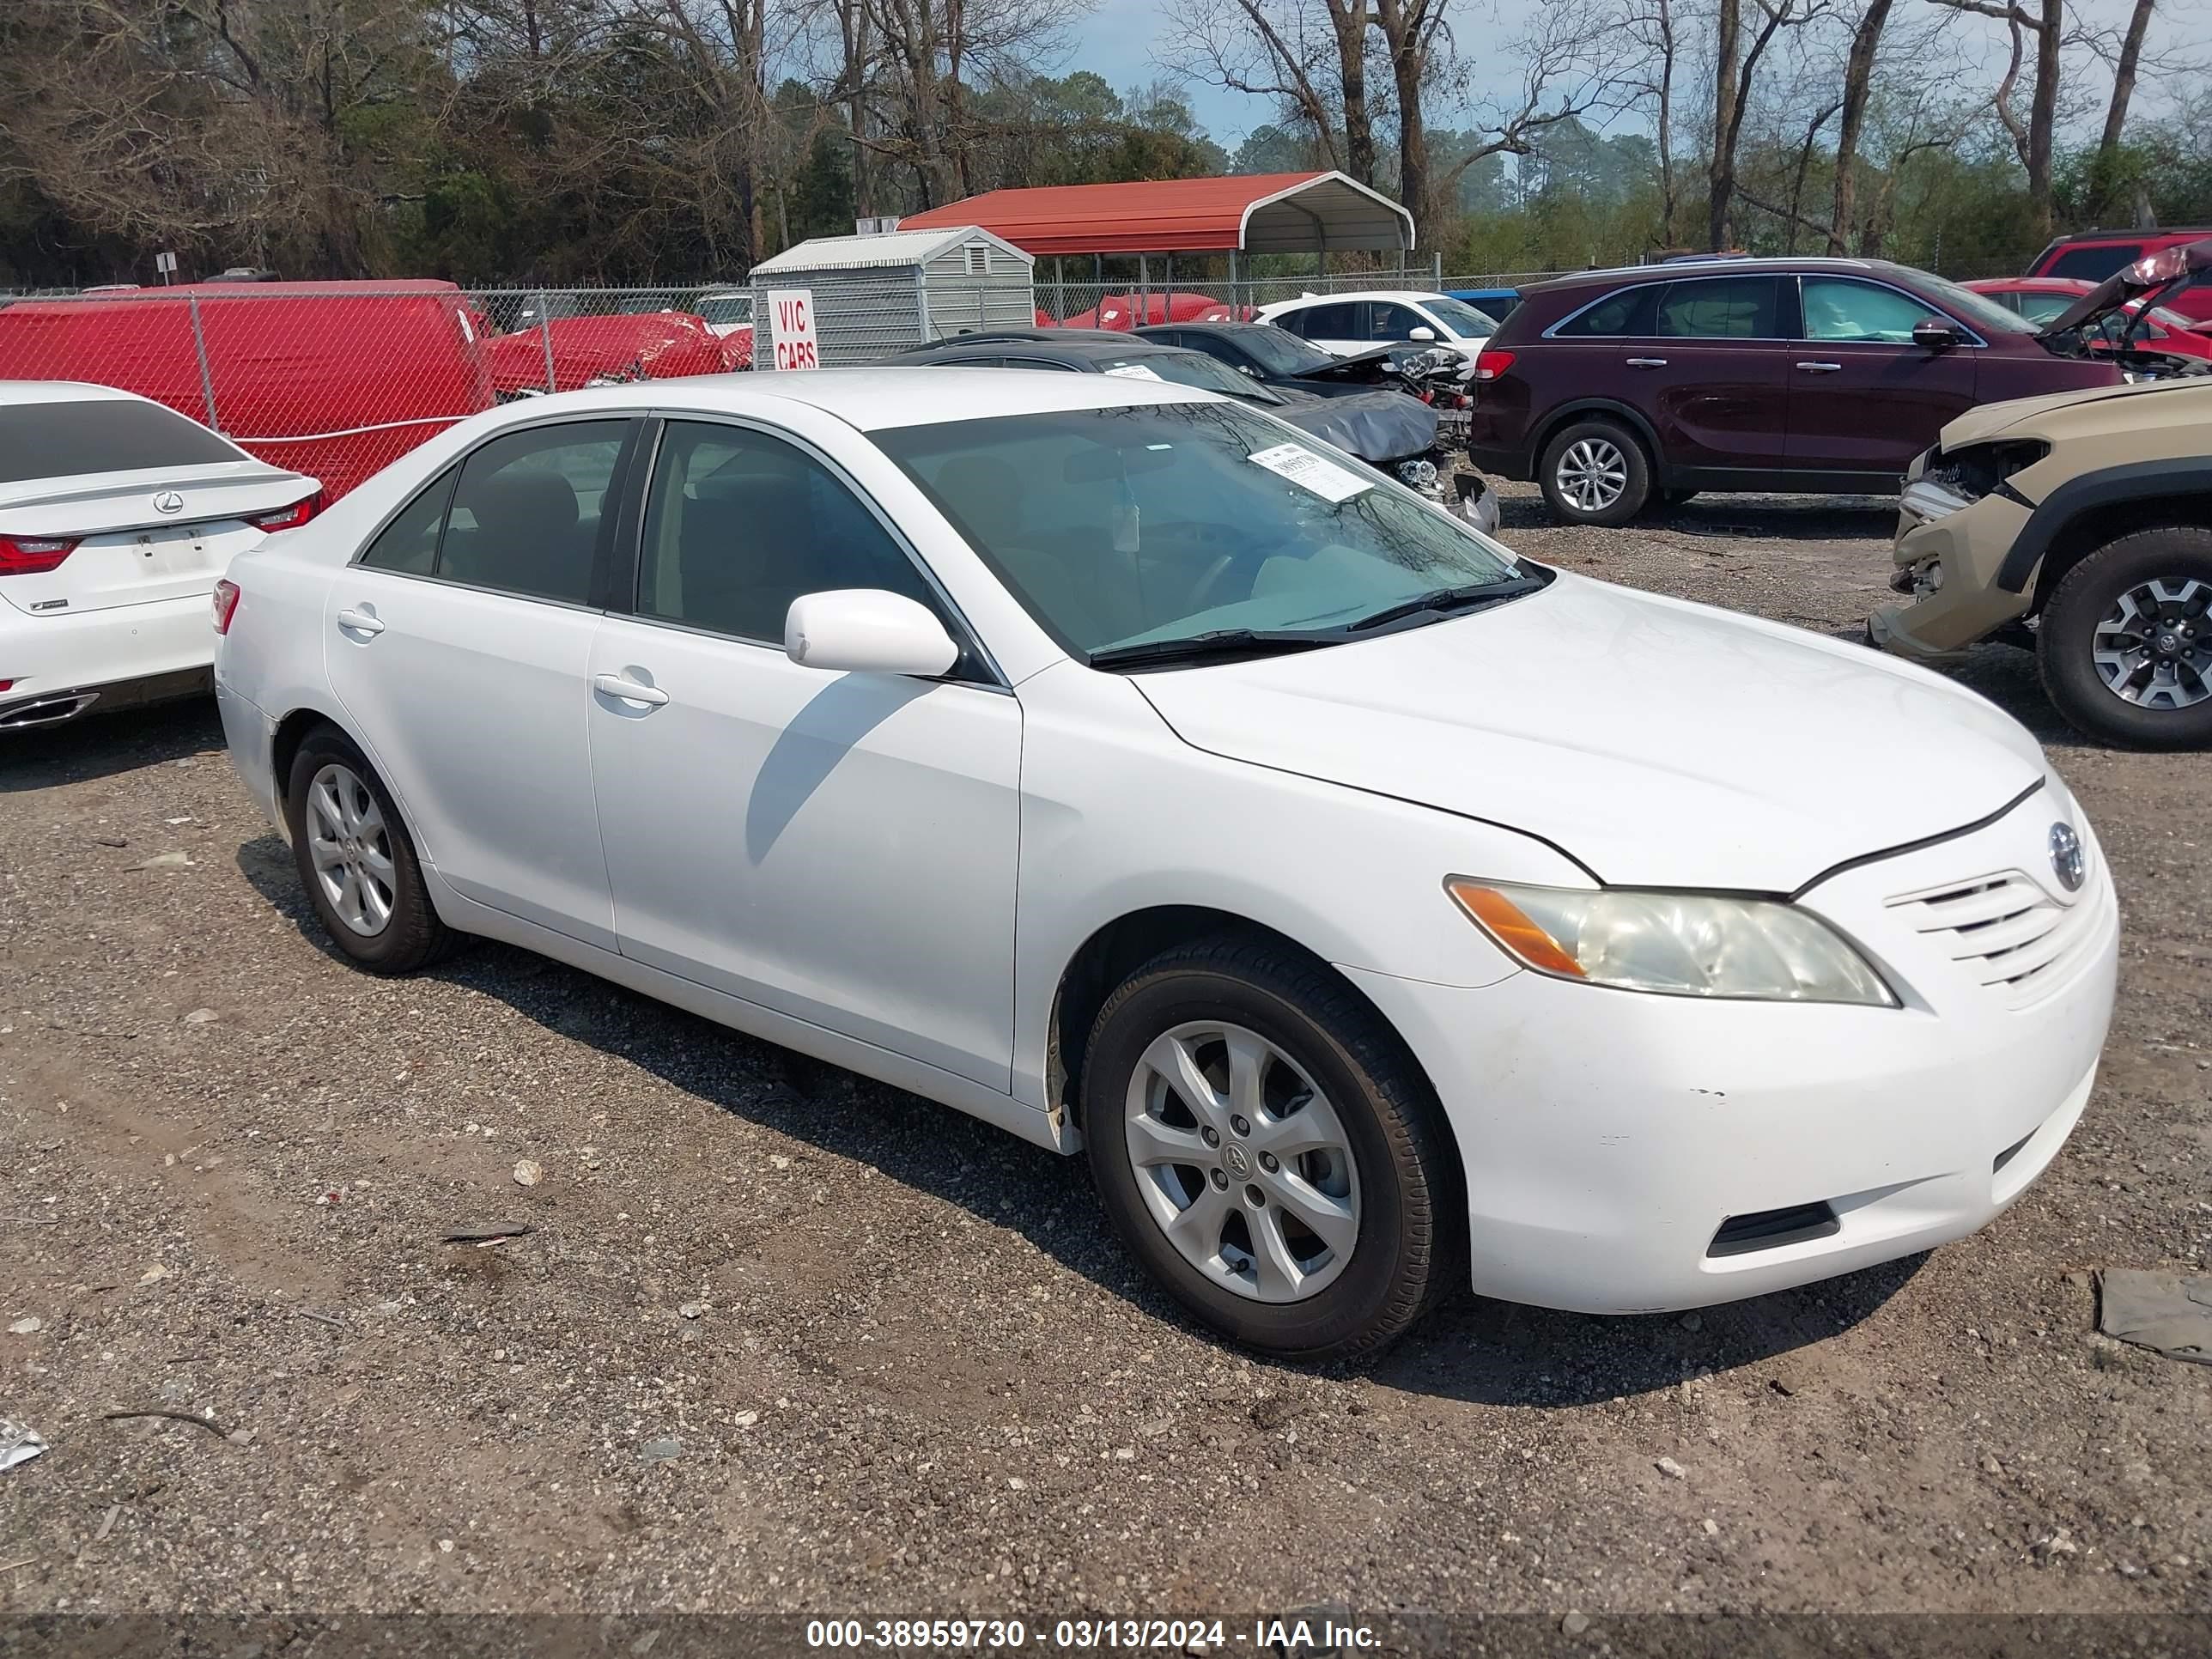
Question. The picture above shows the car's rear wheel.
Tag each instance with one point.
(356, 861)
(2125, 641)
(1265, 1146)
(1595, 472)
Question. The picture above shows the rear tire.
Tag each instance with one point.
(1595, 472)
(1364, 1151)
(2143, 605)
(356, 861)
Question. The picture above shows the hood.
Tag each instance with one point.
(1994, 420)
(1376, 427)
(1359, 366)
(2148, 275)
(1658, 743)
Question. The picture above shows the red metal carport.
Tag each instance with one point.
(1254, 213)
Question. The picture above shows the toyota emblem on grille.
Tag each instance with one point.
(2066, 857)
(168, 502)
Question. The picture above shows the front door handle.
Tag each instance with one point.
(360, 621)
(1820, 368)
(627, 690)
(1647, 362)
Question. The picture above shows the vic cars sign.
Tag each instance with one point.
(791, 313)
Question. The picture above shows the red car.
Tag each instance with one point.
(1118, 310)
(334, 380)
(656, 346)
(2041, 299)
(2091, 256)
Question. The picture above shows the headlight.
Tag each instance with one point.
(1973, 470)
(1685, 945)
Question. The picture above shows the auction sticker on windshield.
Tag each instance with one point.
(1131, 372)
(1310, 471)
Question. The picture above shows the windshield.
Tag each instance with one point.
(1462, 319)
(1978, 309)
(1191, 368)
(2040, 307)
(1280, 351)
(728, 308)
(1160, 522)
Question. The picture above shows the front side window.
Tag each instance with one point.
(1387, 322)
(1119, 526)
(1726, 308)
(529, 508)
(1330, 322)
(738, 524)
(1839, 309)
(727, 309)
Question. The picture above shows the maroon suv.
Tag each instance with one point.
(1611, 388)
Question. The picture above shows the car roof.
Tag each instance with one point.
(1718, 266)
(2029, 285)
(1085, 344)
(876, 399)
(1417, 294)
(1221, 326)
(63, 391)
(1021, 333)
(2164, 232)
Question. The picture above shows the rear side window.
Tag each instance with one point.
(1728, 308)
(1629, 312)
(2093, 265)
(527, 511)
(105, 434)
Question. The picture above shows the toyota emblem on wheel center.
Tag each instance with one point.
(1239, 1162)
(168, 502)
(2066, 856)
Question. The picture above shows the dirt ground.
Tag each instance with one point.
(784, 1339)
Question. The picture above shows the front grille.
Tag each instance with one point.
(1768, 1230)
(2005, 929)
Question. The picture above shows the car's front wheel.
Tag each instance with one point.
(2125, 641)
(1595, 472)
(1265, 1146)
(356, 859)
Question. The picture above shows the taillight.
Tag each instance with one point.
(226, 605)
(27, 555)
(1489, 365)
(288, 518)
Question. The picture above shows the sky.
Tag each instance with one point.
(1117, 42)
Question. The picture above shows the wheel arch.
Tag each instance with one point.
(2086, 513)
(1118, 948)
(1567, 414)
(291, 731)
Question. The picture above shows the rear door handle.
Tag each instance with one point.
(627, 690)
(360, 621)
(1647, 362)
(1820, 368)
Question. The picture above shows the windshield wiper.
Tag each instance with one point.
(1219, 643)
(1442, 599)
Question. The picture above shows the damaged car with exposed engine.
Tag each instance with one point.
(2079, 526)
(1396, 435)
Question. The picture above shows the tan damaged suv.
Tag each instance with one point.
(2081, 526)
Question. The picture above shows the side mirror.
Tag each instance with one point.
(1932, 335)
(1424, 335)
(867, 630)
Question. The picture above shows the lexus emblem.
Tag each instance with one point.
(168, 502)
(2066, 858)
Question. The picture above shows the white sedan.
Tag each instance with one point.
(1379, 913)
(1349, 323)
(116, 516)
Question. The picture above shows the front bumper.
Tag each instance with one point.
(99, 660)
(1947, 557)
(1611, 1137)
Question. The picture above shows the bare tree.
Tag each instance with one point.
(1732, 92)
(1310, 56)
(2033, 139)
(1858, 82)
(1652, 25)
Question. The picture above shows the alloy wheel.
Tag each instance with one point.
(1243, 1162)
(2154, 647)
(1592, 474)
(351, 849)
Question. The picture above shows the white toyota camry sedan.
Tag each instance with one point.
(1379, 914)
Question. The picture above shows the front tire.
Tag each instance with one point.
(1595, 472)
(356, 861)
(1266, 1148)
(2125, 642)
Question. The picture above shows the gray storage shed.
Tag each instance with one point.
(876, 296)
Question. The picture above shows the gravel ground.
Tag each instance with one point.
(784, 1339)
